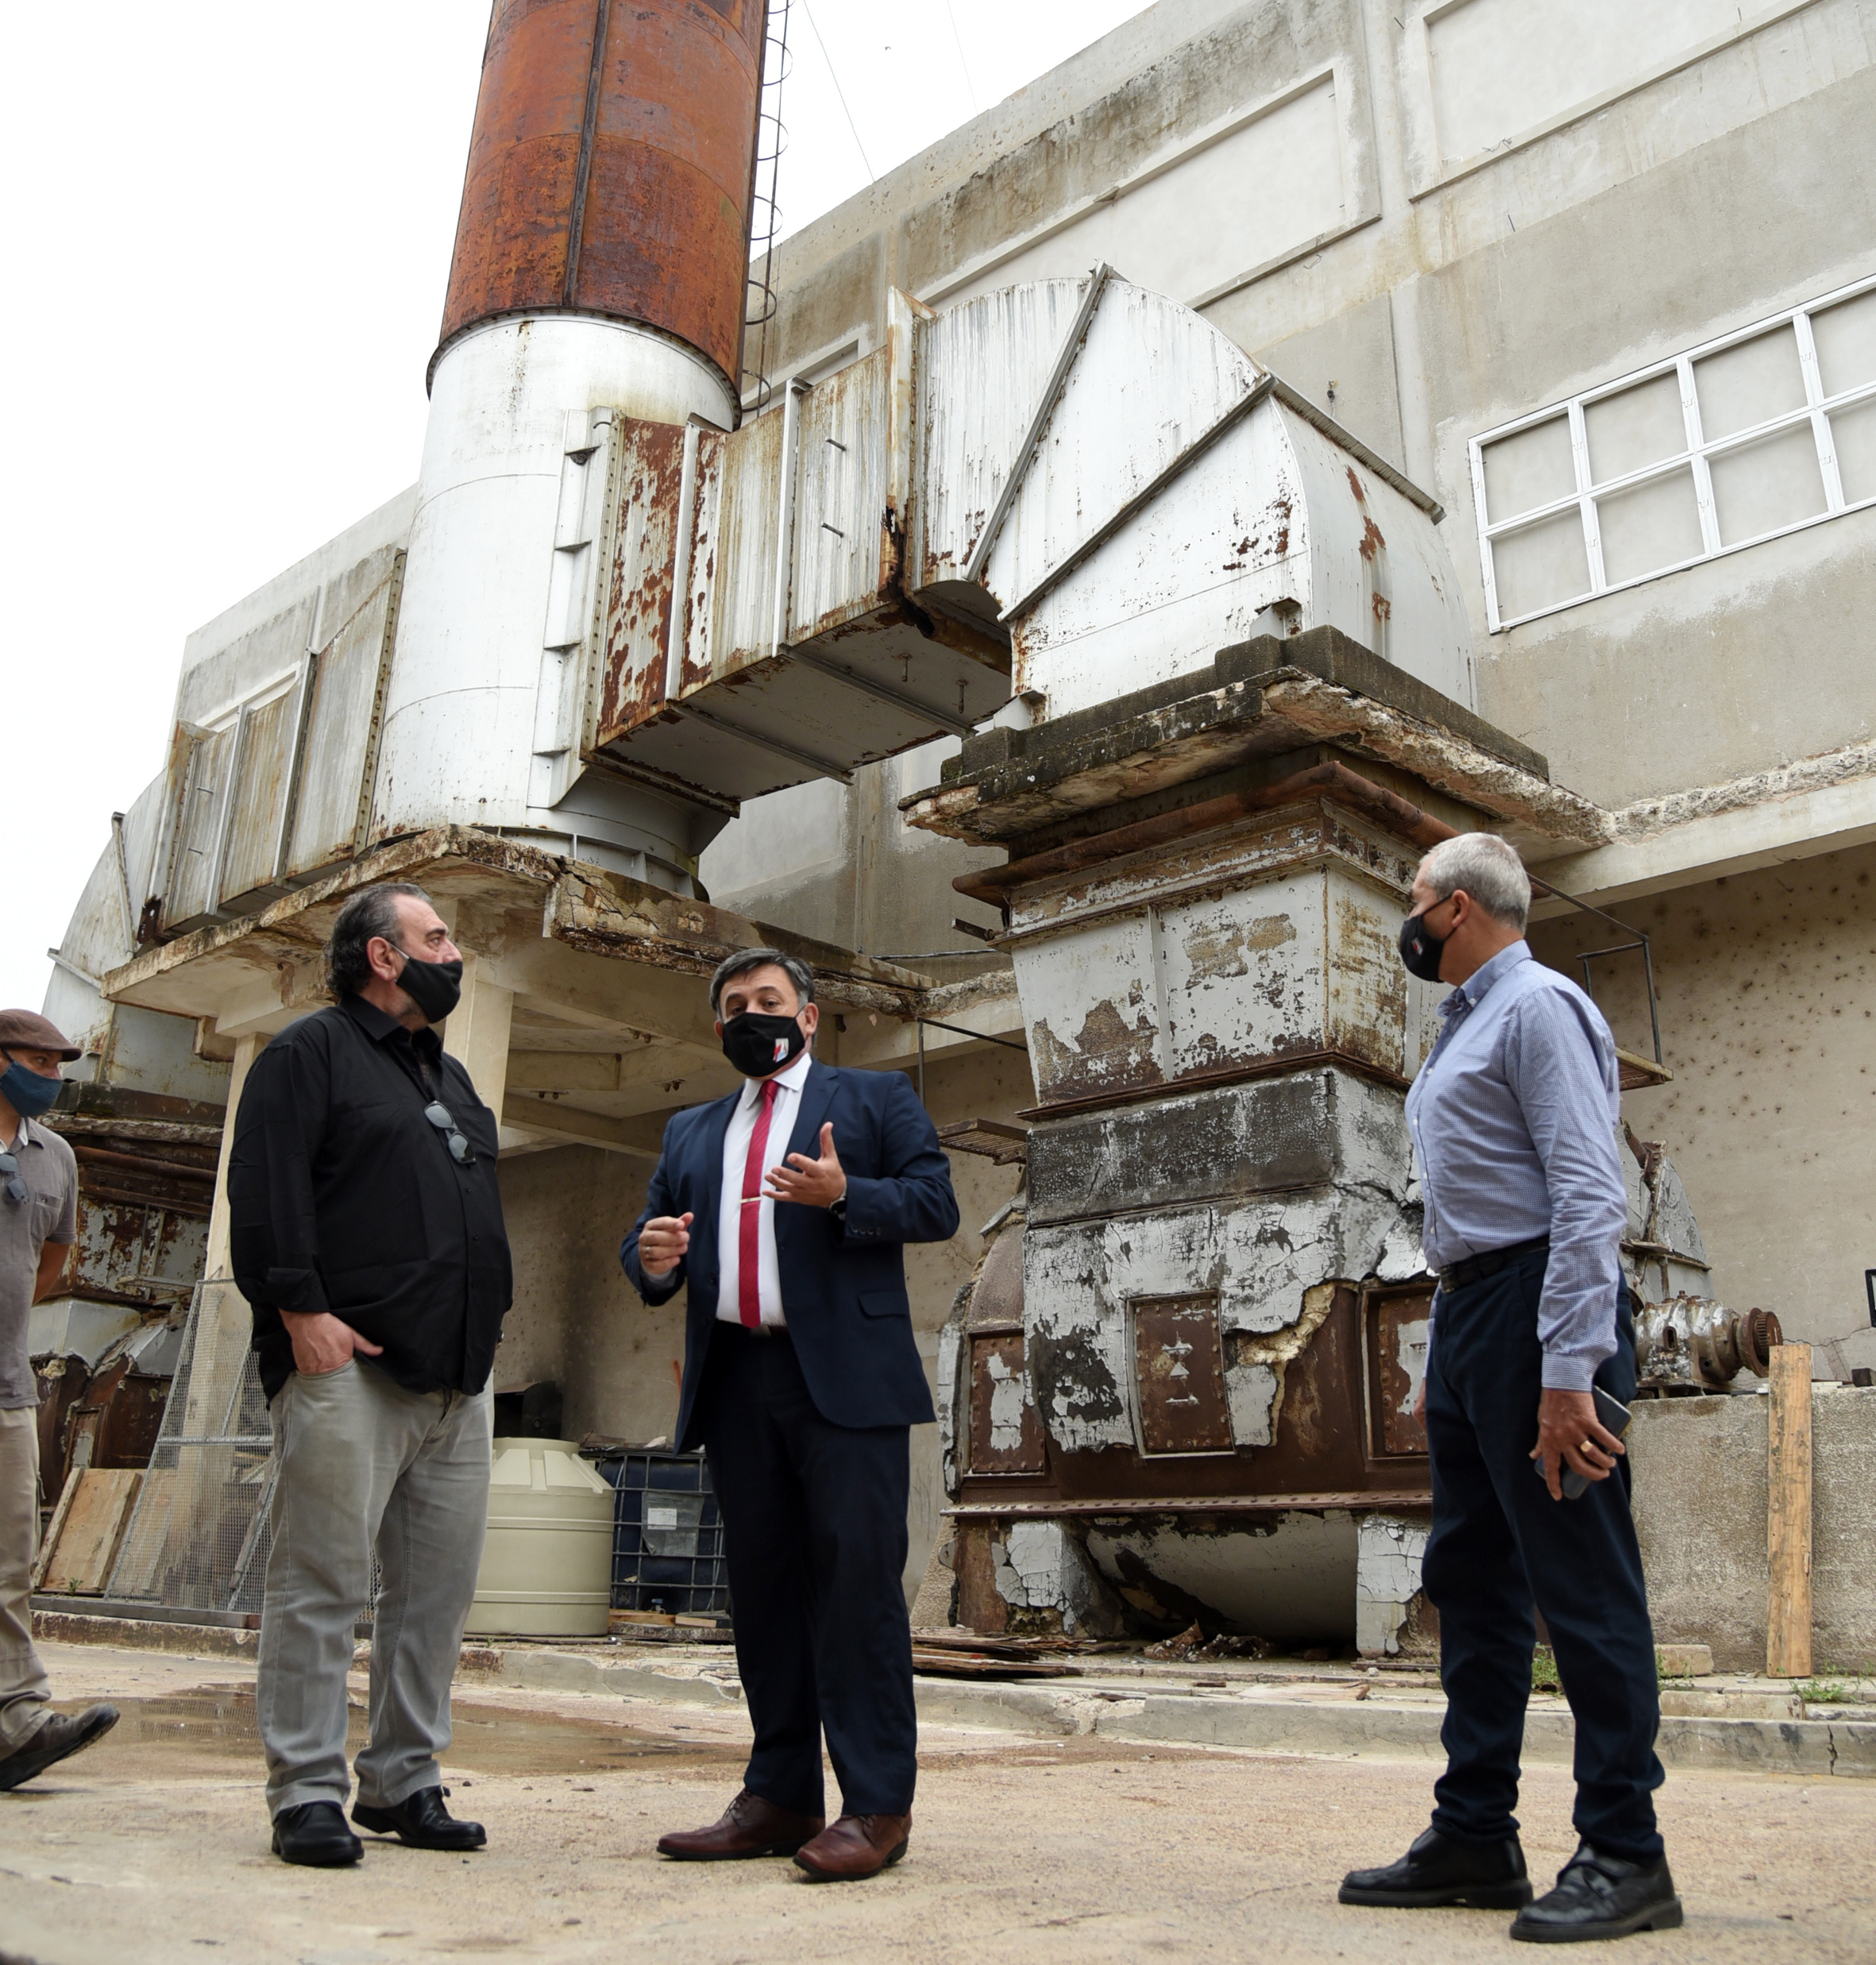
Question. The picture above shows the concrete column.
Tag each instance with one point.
(246, 1050)
(478, 1031)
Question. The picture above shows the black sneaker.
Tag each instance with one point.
(1601, 1896)
(1437, 1870)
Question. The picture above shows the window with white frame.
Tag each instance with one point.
(1738, 441)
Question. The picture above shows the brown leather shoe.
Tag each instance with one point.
(854, 1846)
(749, 1827)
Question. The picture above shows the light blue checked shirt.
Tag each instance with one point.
(1514, 1117)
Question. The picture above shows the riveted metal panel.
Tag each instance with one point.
(841, 541)
(332, 800)
(1005, 1431)
(262, 785)
(748, 523)
(201, 768)
(1395, 1324)
(1179, 1366)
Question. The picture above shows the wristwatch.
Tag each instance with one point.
(838, 1209)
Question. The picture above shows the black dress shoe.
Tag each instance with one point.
(55, 1738)
(1601, 1896)
(316, 1834)
(1437, 1870)
(421, 1821)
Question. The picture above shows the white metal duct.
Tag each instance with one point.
(1074, 488)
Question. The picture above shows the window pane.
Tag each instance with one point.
(1540, 567)
(1853, 436)
(1846, 337)
(1529, 469)
(1751, 384)
(1772, 483)
(1637, 427)
(1648, 527)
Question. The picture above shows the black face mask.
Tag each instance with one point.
(760, 1046)
(434, 987)
(1421, 949)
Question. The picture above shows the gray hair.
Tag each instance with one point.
(1487, 869)
(371, 912)
(745, 960)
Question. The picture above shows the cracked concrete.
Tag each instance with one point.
(152, 1846)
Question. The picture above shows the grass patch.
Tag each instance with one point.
(1543, 1670)
(1661, 1671)
(1824, 1692)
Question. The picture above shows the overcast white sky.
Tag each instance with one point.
(228, 227)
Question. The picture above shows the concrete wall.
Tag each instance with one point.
(1644, 181)
(1700, 1501)
(1767, 986)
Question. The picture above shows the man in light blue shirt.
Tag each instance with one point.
(1513, 1117)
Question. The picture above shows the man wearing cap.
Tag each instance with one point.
(38, 1224)
(366, 1230)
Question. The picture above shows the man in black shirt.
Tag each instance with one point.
(366, 1229)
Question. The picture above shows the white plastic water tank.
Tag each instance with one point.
(547, 1564)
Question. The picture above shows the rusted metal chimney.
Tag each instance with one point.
(611, 168)
(598, 274)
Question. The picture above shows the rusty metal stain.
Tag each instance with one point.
(1395, 1326)
(650, 110)
(1005, 1429)
(1215, 954)
(699, 626)
(1178, 1360)
(639, 599)
(1107, 1054)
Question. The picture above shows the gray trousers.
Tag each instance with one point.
(23, 1687)
(362, 1462)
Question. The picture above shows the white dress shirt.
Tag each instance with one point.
(729, 1212)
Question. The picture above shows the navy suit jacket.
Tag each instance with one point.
(843, 1286)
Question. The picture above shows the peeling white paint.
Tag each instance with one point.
(1388, 1555)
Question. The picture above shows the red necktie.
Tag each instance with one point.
(749, 1296)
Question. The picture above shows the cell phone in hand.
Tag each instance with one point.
(1614, 1416)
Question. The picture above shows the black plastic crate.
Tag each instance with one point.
(667, 1536)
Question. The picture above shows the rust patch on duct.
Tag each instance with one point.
(1005, 1429)
(1108, 1053)
(1395, 1323)
(1179, 1360)
(639, 599)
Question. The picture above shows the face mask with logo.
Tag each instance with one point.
(760, 1046)
(27, 1092)
(1421, 949)
(434, 987)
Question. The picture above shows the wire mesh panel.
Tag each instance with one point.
(199, 1539)
(667, 1536)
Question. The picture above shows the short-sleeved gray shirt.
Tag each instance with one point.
(49, 1213)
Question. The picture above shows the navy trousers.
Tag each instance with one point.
(1499, 1542)
(814, 1523)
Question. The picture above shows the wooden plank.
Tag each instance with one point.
(1788, 1420)
(56, 1526)
(81, 1559)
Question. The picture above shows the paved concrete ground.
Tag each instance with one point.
(152, 1849)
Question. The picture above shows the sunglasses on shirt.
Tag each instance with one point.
(16, 1188)
(460, 1150)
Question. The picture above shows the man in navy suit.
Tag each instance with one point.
(786, 1209)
